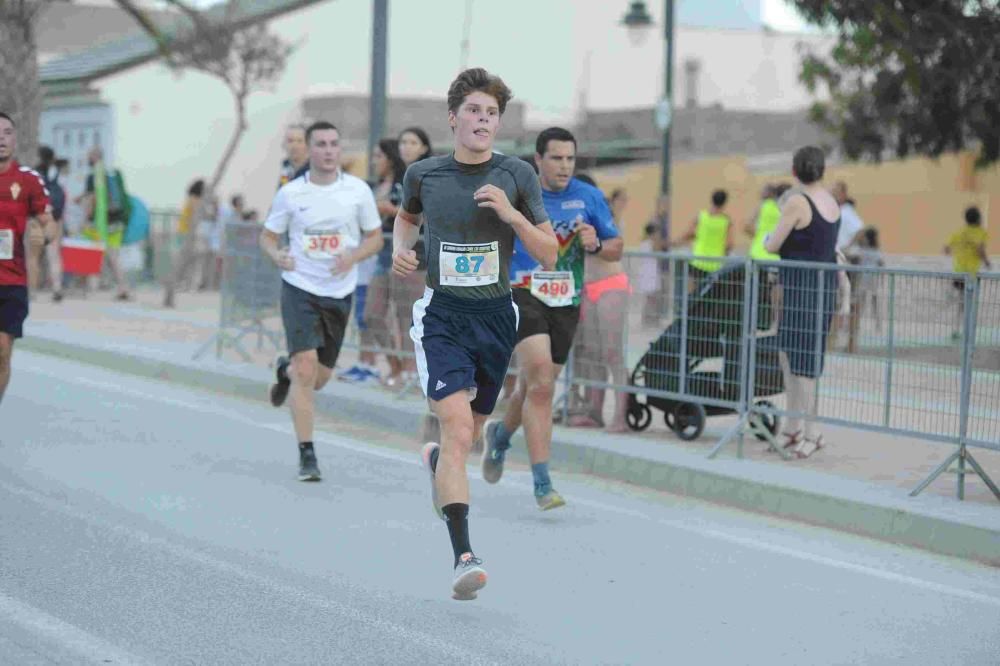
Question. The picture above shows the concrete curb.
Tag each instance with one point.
(931, 523)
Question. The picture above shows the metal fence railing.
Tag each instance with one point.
(381, 320)
(250, 292)
(925, 361)
(913, 352)
(164, 245)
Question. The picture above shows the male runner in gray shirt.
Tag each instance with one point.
(465, 327)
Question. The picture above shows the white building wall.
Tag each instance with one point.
(72, 131)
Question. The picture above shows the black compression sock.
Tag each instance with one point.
(457, 516)
(305, 445)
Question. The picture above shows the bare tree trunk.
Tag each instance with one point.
(234, 140)
(20, 90)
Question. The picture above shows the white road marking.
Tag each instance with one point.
(746, 542)
(88, 647)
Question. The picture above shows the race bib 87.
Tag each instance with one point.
(6, 243)
(469, 264)
(554, 288)
(323, 243)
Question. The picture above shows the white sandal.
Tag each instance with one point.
(808, 447)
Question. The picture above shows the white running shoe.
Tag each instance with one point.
(426, 456)
(470, 577)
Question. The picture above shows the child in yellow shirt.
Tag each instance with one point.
(968, 249)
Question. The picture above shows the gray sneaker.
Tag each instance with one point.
(427, 457)
(550, 500)
(469, 578)
(308, 469)
(492, 456)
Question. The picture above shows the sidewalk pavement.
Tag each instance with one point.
(858, 483)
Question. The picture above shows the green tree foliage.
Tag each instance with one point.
(908, 76)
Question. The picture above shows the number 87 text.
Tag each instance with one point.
(462, 264)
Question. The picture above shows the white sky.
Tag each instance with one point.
(780, 14)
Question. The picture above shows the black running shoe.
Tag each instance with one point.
(279, 390)
(308, 469)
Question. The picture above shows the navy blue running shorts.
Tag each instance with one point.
(464, 345)
(13, 309)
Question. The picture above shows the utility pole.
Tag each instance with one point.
(376, 101)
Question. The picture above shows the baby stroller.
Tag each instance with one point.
(714, 332)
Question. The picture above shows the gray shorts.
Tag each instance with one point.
(314, 322)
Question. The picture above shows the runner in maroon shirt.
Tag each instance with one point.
(22, 196)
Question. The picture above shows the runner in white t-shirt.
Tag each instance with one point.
(332, 225)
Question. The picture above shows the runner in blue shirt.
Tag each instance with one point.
(549, 308)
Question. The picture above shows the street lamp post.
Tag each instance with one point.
(637, 20)
(376, 100)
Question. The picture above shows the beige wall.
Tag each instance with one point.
(915, 204)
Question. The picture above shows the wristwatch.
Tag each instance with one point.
(597, 249)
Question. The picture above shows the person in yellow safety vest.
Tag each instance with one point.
(712, 233)
(763, 223)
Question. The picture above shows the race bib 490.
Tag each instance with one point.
(6, 243)
(469, 264)
(322, 244)
(554, 288)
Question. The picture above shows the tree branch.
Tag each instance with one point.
(147, 25)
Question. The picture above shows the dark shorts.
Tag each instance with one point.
(383, 261)
(464, 345)
(360, 297)
(13, 309)
(804, 325)
(557, 323)
(698, 274)
(314, 322)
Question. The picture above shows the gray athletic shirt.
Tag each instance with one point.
(441, 189)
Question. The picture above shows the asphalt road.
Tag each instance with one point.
(142, 522)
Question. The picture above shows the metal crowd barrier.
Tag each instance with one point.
(386, 318)
(164, 242)
(250, 293)
(916, 368)
(690, 340)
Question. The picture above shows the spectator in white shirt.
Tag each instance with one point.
(850, 222)
(848, 243)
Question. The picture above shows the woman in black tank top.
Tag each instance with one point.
(804, 234)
